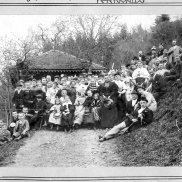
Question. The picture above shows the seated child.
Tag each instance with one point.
(55, 115)
(67, 111)
(27, 115)
(22, 127)
(88, 116)
(79, 110)
(13, 123)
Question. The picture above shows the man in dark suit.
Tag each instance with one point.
(39, 110)
(141, 116)
(18, 97)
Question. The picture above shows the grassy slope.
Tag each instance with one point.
(159, 144)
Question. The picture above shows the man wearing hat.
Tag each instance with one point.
(39, 109)
(141, 116)
(18, 97)
(133, 103)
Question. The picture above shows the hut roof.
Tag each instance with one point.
(57, 60)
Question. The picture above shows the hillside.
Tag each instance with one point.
(159, 144)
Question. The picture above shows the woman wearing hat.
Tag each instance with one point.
(141, 116)
(152, 104)
(109, 96)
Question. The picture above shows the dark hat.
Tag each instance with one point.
(143, 99)
(39, 96)
(57, 76)
(134, 92)
(34, 80)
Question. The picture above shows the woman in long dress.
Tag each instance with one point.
(109, 111)
(67, 111)
(79, 110)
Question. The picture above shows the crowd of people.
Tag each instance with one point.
(121, 99)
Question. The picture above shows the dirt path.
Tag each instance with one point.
(58, 149)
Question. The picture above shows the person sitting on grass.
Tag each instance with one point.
(28, 116)
(21, 129)
(13, 122)
(141, 116)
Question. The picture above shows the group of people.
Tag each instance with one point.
(120, 99)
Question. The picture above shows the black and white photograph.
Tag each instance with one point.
(90, 90)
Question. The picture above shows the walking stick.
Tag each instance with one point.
(126, 129)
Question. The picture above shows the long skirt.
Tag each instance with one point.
(79, 114)
(121, 105)
(53, 120)
(89, 118)
(67, 120)
(109, 116)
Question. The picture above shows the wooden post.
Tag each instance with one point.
(7, 118)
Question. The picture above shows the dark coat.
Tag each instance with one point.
(40, 107)
(18, 98)
(129, 107)
(111, 91)
(28, 98)
(147, 119)
(88, 102)
(39, 92)
(109, 114)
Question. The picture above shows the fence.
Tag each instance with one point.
(5, 112)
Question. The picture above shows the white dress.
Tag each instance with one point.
(55, 116)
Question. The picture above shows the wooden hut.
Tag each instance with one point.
(55, 62)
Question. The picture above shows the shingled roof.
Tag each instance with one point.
(57, 60)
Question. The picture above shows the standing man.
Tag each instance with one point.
(174, 51)
(18, 97)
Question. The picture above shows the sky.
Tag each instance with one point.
(19, 25)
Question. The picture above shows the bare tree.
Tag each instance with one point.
(93, 30)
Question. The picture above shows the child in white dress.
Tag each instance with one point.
(56, 114)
